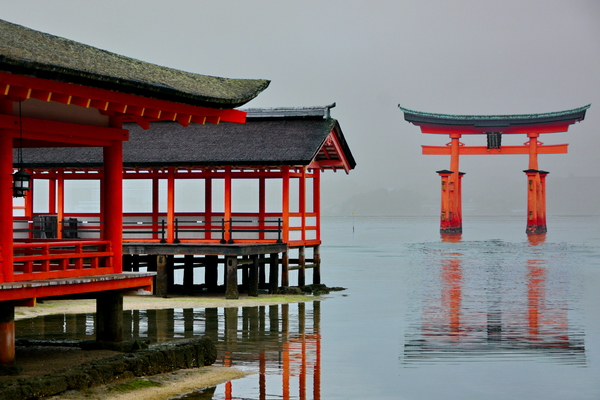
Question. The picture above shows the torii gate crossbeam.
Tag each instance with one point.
(494, 126)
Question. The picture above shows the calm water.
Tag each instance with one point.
(493, 315)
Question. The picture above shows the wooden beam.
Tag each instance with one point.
(20, 86)
(65, 130)
(482, 150)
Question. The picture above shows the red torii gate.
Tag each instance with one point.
(493, 126)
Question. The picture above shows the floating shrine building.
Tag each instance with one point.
(57, 93)
(242, 195)
(493, 127)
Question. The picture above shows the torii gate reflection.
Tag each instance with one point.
(494, 126)
(498, 317)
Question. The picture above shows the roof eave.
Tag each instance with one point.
(493, 121)
(60, 74)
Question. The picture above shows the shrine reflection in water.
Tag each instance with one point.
(280, 342)
(494, 307)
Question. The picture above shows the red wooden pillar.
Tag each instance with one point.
(6, 211)
(317, 200)
(60, 210)
(453, 207)
(6, 225)
(543, 175)
(285, 216)
(262, 205)
(536, 198)
(112, 199)
(227, 211)
(52, 194)
(7, 334)
(302, 202)
(156, 205)
(285, 206)
(29, 200)
(171, 205)
(536, 204)
(208, 205)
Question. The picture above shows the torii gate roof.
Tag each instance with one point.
(549, 122)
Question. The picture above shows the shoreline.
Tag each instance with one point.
(162, 386)
(151, 302)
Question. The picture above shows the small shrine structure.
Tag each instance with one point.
(493, 127)
(55, 93)
(208, 195)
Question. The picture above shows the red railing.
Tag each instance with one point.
(62, 259)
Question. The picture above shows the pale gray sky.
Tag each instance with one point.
(458, 57)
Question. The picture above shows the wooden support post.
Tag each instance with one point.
(7, 334)
(262, 279)
(188, 274)
(231, 285)
(317, 200)
(536, 202)
(113, 201)
(253, 277)
(162, 278)
(317, 265)
(6, 211)
(135, 262)
(60, 197)
(211, 272)
(109, 316)
(208, 206)
(262, 205)
(170, 273)
(451, 208)
(273, 273)
(244, 271)
(171, 205)
(155, 207)
(127, 262)
(536, 197)
(227, 206)
(301, 266)
(285, 206)
(302, 203)
(285, 265)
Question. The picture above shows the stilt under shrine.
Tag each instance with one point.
(493, 127)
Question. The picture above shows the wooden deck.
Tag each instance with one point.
(30, 290)
(249, 260)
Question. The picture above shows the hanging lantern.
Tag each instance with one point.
(21, 179)
(21, 183)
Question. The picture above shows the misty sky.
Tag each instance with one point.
(456, 57)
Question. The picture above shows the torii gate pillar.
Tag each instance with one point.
(536, 190)
(536, 201)
(451, 204)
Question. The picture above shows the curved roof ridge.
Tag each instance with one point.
(283, 112)
(26, 51)
(495, 117)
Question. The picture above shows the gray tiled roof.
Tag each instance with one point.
(420, 117)
(28, 52)
(266, 141)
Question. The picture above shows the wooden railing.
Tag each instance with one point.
(227, 229)
(185, 227)
(62, 259)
